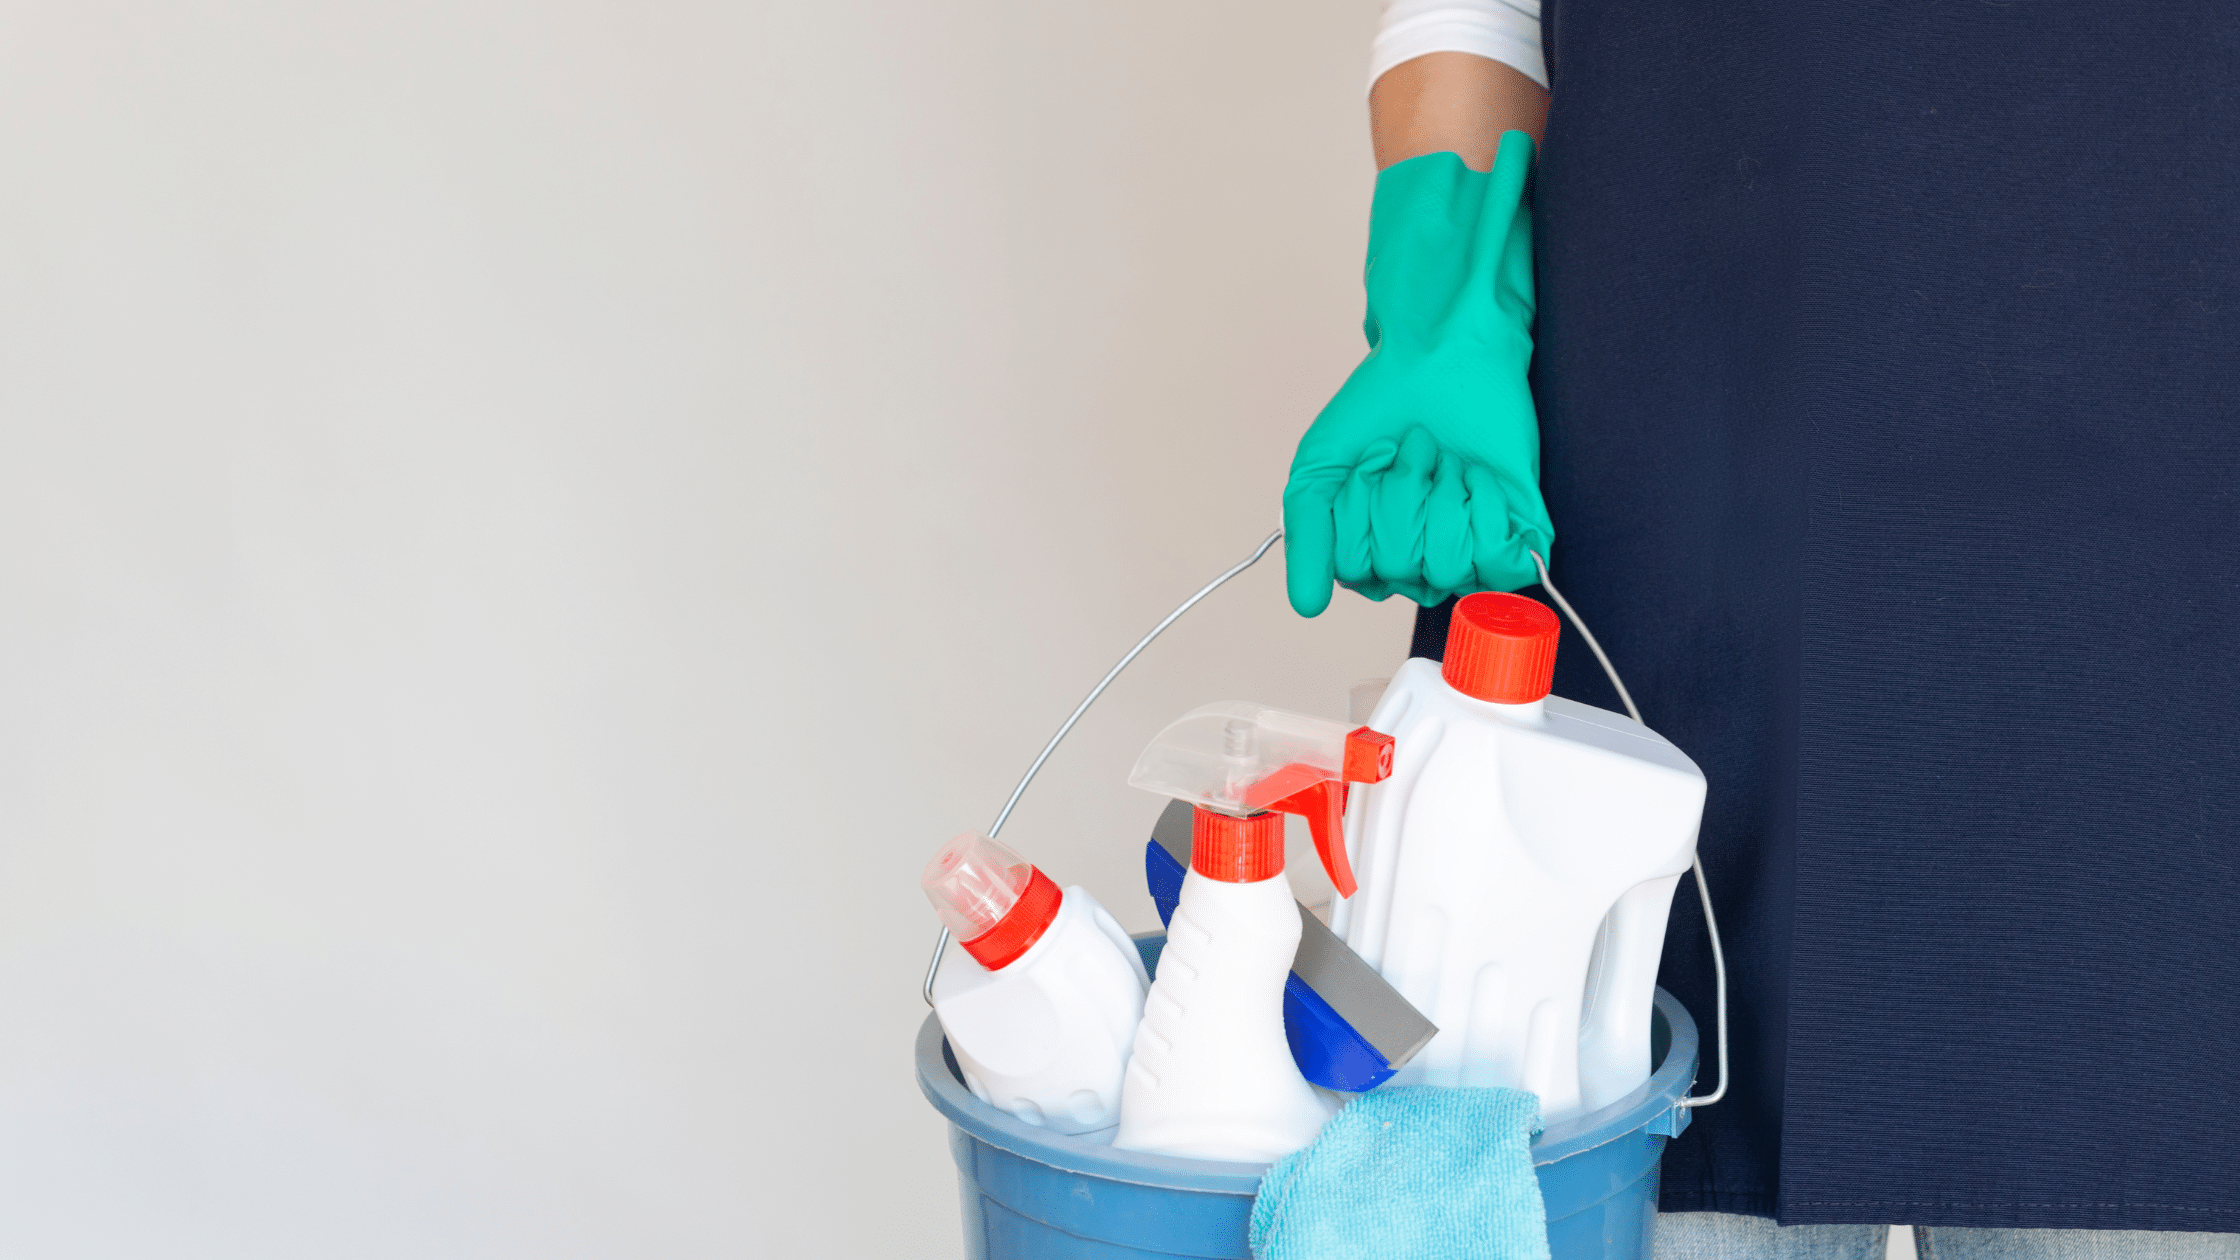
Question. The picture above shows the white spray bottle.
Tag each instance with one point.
(1516, 868)
(1212, 1076)
(1040, 992)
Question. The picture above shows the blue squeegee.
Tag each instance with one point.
(1349, 1029)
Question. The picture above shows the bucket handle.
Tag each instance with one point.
(940, 946)
(1703, 891)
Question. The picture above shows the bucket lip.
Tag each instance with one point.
(1559, 1141)
(1674, 1077)
(1063, 1151)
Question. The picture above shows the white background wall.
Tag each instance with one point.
(522, 526)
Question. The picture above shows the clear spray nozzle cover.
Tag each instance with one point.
(1239, 758)
(973, 882)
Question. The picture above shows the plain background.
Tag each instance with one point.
(522, 526)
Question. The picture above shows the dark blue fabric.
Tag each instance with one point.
(1888, 365)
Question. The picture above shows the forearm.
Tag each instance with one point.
(1452, 102)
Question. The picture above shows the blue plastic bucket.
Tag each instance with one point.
(1029, 1193)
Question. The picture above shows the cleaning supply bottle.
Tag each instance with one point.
(1518, 830)
(1041, 991)
(1212, 1076)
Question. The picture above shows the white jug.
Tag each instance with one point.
(1515, 831)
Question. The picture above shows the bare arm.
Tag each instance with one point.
(1452, 101)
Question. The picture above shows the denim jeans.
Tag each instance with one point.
(1722, 1236)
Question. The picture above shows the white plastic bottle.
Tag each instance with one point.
(1212, 1077)
(1040, 991)
(1516, 830)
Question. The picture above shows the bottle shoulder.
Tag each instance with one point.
(1247, 922)
(1270, 898)
(1082, 939)
(1555, 729)
(1078, 936)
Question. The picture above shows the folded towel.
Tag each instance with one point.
(1410, 1171)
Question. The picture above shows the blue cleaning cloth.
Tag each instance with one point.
(1410, 1172)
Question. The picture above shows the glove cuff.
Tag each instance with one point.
(1450, 248)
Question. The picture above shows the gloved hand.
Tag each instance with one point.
(1422, 476)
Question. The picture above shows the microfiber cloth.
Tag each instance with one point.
(1410, 1172)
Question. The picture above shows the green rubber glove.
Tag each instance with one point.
(1422, 476)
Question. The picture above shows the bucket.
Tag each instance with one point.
(1034, 1195)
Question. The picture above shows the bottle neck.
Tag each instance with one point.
(1236, 850)
(1530, 713)
(1019, 929)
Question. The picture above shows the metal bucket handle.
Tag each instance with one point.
(1703, 890)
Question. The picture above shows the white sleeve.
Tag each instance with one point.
(1507, 31)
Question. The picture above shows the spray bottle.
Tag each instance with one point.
(1041, 991)
(1517, 866)
(1212, 1076)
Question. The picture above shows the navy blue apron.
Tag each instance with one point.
(1889, 383)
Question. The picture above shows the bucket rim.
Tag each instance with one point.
(1674, 1077)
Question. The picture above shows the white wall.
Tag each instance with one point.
(521, 527)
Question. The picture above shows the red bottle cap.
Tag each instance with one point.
(1501, 648)
(1236, 850)
(1021, 926)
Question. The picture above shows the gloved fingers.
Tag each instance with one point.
(1447, 562)
(1372, 590)
(1396, 510)
(1308, 538)
(1378, 589)
(1354, 554)
(1531, 532)
(1497, 547)
(1425, 595)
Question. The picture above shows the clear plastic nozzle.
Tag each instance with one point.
(1238, 758)
(973, 882)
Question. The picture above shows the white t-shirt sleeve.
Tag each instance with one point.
(1507, 31)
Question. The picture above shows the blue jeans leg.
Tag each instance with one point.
(1945, 1242)
(1728, 1236)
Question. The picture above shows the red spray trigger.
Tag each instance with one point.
(1324, 808)
(1321, 800)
